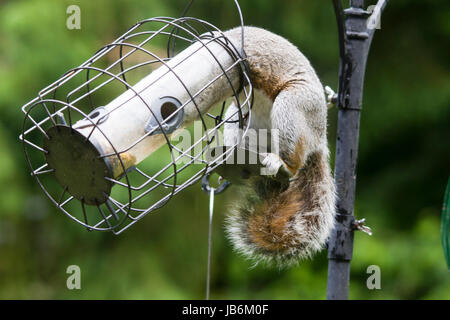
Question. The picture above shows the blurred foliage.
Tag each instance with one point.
(402, 172)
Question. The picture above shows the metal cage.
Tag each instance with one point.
(106, 164)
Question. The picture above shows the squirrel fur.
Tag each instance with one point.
(272, 223)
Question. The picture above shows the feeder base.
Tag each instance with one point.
(77, 165)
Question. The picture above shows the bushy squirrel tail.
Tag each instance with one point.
(284, 226)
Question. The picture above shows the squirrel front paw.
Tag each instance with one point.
(274, 166)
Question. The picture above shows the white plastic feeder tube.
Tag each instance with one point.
(195, 71)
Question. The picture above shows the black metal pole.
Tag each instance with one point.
(355, 37)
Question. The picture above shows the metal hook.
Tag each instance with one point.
(207, 188)
(360, 225)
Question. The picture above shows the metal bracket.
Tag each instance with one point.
(356, 12)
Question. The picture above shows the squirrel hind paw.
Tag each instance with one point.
(274, 168)
(273, 165)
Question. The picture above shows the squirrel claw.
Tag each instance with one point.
(274, 166)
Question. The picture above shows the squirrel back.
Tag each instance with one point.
(273, 222)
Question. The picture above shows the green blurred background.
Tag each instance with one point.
(402, 172)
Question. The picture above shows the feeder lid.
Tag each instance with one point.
(77, 165)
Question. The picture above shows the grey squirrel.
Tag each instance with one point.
(270, 222)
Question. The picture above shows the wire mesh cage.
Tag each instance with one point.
(106, 162)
